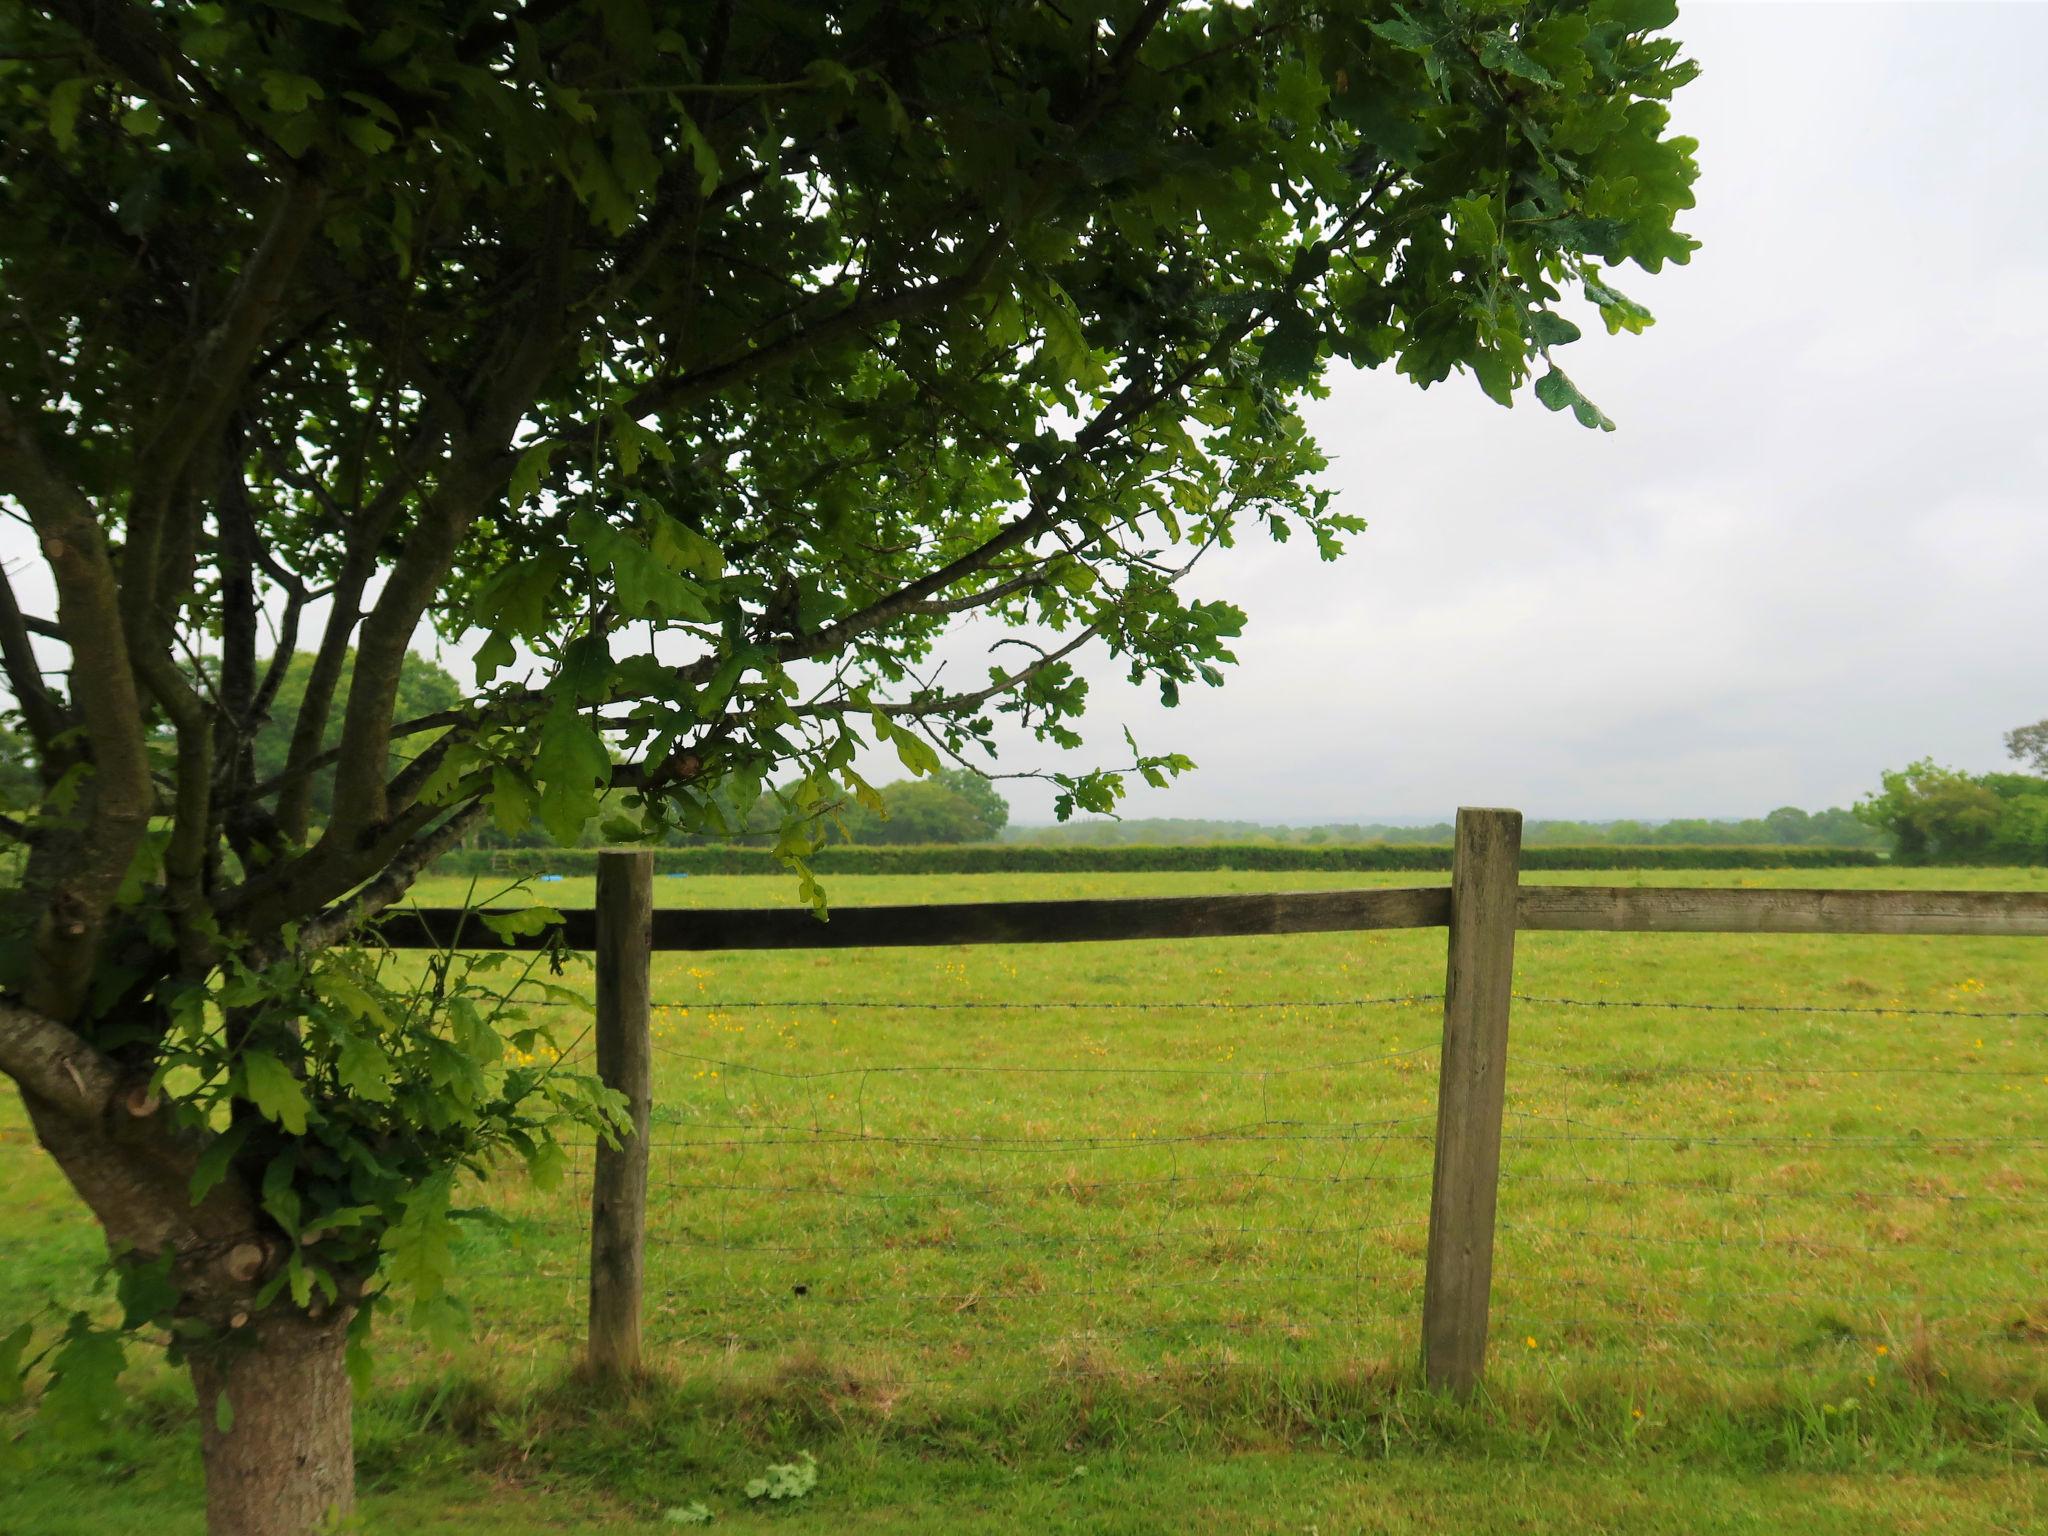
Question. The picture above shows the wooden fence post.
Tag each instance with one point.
(1471, 1097)
(618, 1187)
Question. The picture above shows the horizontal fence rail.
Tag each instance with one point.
(1587, 908)
(977, 922)
(1663, 909)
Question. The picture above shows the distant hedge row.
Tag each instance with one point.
(989, 859)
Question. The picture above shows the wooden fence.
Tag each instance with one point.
(1483, 908)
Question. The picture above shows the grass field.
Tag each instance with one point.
(1123, 1237)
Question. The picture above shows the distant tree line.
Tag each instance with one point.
(1924, 813)
(1787, 826)
(1936, 815)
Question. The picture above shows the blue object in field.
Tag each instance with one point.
(553, 877)
(676, 874)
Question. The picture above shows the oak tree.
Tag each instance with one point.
(2028, 744)
(696, 365)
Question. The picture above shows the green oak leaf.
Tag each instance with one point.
(269, 1084)
(1559, 393)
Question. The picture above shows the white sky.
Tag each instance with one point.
(1816, 546)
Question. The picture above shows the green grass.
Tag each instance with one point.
(1754, 1266)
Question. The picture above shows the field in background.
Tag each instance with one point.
(1074, 1232)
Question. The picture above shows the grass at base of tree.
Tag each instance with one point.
(1775, 1263)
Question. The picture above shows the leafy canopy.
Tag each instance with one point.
(700, 364)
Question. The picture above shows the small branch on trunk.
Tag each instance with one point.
(285, 646)
(235, 522)
(679, 767)
(193, 719)
(55, 1065)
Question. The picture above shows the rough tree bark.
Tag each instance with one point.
(280, 1458)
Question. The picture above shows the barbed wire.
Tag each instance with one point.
(1252, 1134)
(1033, 1005)
(888, 1069)
(1788, 1240)
(1519, 1062)
(1587, 1131)
(819, 1293)
(1275, 1004)
(1635, 1300)
(1509, 1314)
(1886, 1010)
(1859, 1195)
(1042, 1186)
(1749, 1192)
(1032, 1241)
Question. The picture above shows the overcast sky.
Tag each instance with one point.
(1814, 549)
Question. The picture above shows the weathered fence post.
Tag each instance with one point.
(618, 1187)
(1471, 1097)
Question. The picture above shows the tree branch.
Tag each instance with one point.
(194, 414)
(287, 642)
(439, 720)
(339, 921)
(509, 375)
(39, 710)
(366, 534)
(103, 689)
(127, 37)
(861, 314)
(939, 607)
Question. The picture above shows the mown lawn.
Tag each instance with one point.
(1121, 1237)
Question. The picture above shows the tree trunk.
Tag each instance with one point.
(280, 1460)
